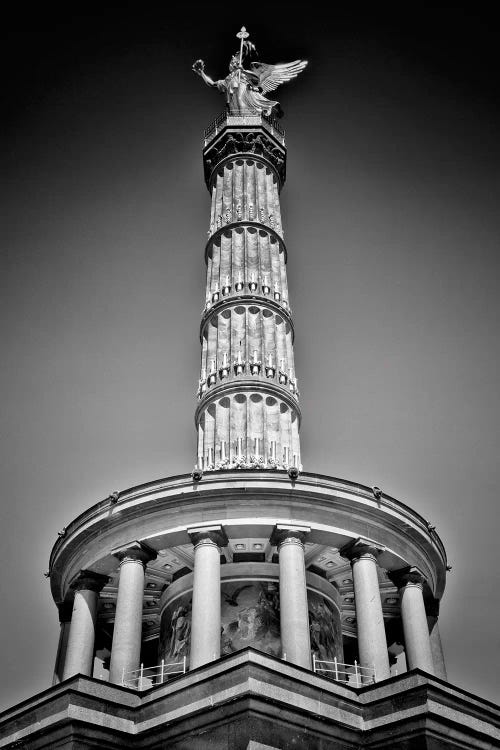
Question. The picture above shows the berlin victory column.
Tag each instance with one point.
(250, 604)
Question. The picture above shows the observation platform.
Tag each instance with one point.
(244, 120)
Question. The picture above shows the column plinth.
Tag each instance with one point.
(79, 657)
(206, 606)
(294, 611)
(127, 633)
(410, 583)
(372, 643)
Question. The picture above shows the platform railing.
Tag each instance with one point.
(147, 677)
(351, 674)
(249, 117)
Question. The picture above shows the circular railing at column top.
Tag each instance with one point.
(242, 119)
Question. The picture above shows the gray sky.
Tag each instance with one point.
(392, 227)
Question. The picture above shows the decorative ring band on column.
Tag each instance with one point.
(282, 536)
(206, 541)
(293, 540)
(137, 552)
(239, 384)
(360, 549)
(127, 560)
(414, 585)
(364, 556)
(213, 536)
(246, 300)
(246, 224)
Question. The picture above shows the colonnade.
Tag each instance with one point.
(422, 643)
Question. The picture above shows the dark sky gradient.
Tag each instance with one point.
(392, 226)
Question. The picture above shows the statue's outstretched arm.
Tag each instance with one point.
(199, 68)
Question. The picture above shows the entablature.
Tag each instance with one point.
(249, 505)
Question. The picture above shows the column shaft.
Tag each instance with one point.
(417, 643)
(372, 643)
(79, 657)
(62, 646)
(126, 646)
(436, 648)
(294, 613)
(80, 650)
(206, 614)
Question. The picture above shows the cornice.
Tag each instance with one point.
(321, 502)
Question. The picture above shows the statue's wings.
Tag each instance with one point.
(272, 76)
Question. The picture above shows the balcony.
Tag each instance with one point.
(244, 119)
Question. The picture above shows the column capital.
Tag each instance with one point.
(361, 548)
(410, 576)
(208, 535)
(65, 610)
(286, 534)
(432, 607)
(89, 581)
(135, 552)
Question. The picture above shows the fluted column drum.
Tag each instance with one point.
(248, 414)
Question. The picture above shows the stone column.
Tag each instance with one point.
(65, 609)
(372, 643)
(80, 649)
(294, 611)
(127, 633)
(410, 583)
(206, 606)
(432, 610)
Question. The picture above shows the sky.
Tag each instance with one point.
(391, 220)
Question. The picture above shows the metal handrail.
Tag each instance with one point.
(214, 124)
(342, 672)
(271, 121)
(146, 677)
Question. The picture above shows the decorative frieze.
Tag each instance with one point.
(254, 144)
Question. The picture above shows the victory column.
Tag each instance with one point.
(309, 587)
(315, 554)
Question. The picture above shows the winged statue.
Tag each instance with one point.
(245, 89)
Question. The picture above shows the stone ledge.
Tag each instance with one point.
(251, 697)
(326, 504)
